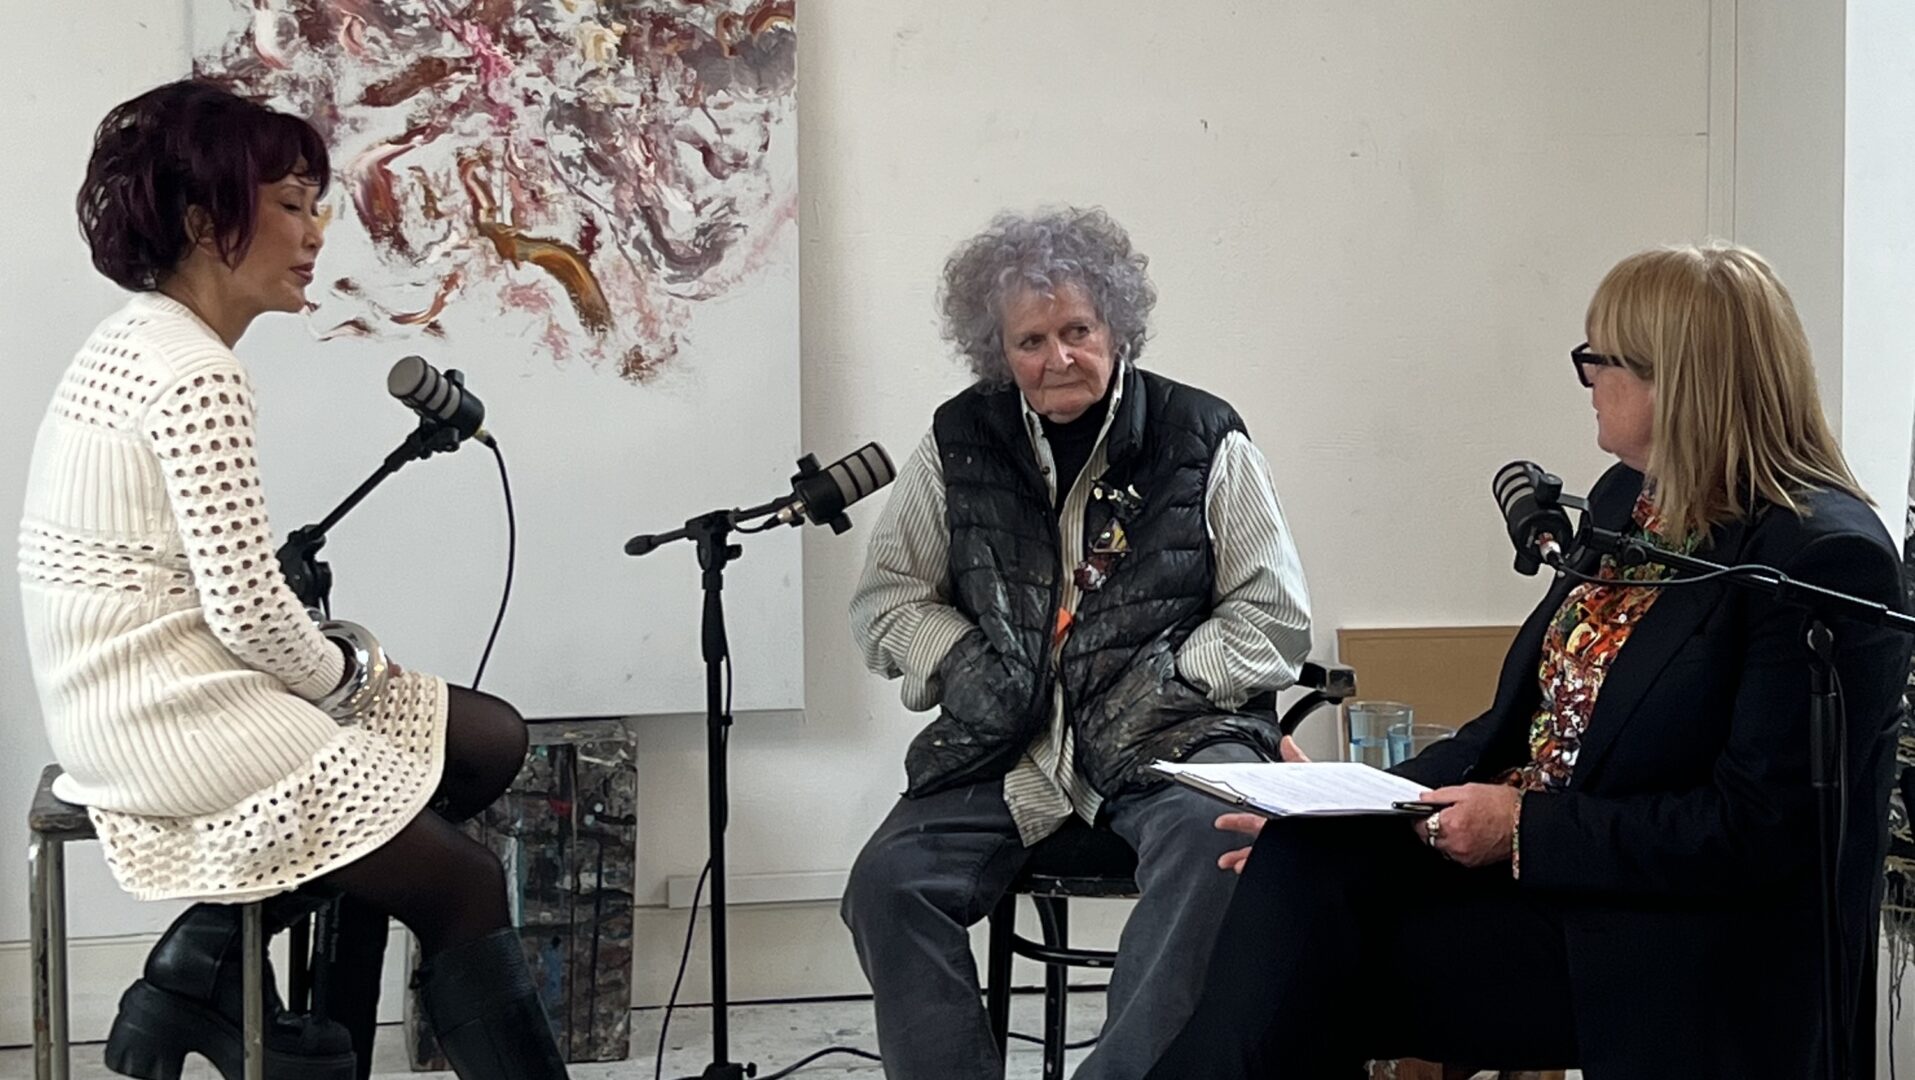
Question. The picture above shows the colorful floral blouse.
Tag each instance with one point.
(1580, 644)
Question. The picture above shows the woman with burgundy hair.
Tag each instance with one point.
(228, 748)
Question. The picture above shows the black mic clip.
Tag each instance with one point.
(1532, 503)
(1547, 548)
(433, 435)
(808, 468)
(306, 574)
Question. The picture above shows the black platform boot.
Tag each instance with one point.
(486, 1014)
(192, 1001)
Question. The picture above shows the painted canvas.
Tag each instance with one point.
(595, 168)
(589, 208)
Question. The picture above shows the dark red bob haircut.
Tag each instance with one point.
(182, 145)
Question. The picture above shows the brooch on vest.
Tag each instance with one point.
(1111, 543)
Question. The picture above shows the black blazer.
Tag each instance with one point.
(1682, 854)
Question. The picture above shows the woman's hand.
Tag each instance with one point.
(1476, 827)
(1252, 824)
(1248, 824)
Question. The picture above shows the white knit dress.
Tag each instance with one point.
(176, 670)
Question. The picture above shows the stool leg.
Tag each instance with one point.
(46, 875)
(52, 872)
(299, 974)
(57, 960)
(1055, 917)
(253, 954)
(997, 966)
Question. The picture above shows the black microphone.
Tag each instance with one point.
(439, 399)
(1538, 526)
(821, 495)
(817, 495)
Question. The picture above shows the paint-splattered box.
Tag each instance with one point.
(567, 834)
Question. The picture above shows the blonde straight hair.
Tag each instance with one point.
(1738, 420)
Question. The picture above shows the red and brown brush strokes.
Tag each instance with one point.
(594, 167)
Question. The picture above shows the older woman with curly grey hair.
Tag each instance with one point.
(1082, 577)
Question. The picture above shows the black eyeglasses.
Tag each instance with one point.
(1583, 359)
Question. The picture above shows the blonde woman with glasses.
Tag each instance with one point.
(1623, 877)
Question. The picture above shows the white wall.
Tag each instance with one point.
(1824, 185)
(1878, 264)
(1375, 228)
(1788, 160)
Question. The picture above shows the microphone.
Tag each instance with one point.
(817, 495)
(821, 495)
(1538, 526)
(440, 399)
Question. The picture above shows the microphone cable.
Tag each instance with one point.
(511, 555)
(685, 953)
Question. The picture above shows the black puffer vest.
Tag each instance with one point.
(1122, 694)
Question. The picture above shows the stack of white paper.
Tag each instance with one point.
(1282, 789)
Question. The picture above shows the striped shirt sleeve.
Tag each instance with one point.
(1258, 635)
(901, 615)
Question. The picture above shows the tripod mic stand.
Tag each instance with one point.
(1827, 733)
(712, 533)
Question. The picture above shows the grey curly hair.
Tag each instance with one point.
(1043, 251)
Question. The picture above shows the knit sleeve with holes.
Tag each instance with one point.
(200, 427)
(174, 667)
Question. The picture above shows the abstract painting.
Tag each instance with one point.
(595, 167)
(589, 207)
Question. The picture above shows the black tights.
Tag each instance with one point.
(445, 887)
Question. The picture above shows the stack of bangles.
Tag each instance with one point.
(366, 670)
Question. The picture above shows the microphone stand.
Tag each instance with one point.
(712, 533)
(310, 578)
(1827, 731)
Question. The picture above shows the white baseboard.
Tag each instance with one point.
(795, 888)
(779, 951)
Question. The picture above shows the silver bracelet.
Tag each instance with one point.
(366, 670)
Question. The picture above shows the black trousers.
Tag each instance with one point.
(1349, 940)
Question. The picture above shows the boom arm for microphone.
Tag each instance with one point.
(1532, 503)
(449, 414)
(819, 496)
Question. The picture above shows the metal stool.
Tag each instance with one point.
(1079, 861)
(52, 824)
